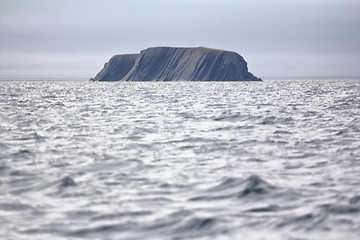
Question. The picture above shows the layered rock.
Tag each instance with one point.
(117, 67)
(177, 64)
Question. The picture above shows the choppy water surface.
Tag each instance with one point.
(247, 160)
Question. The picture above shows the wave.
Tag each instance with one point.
(253, 186)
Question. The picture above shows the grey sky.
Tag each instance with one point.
(277, 38)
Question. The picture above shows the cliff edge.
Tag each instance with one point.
(177, 64)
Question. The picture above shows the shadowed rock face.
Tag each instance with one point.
(177, 64)
(117, 67)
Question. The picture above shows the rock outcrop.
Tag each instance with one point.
(177, 64)
(117, 67)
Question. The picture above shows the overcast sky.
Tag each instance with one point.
(276, 37)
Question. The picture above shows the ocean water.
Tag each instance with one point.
(187, 160)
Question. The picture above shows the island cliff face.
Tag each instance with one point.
(177, 64)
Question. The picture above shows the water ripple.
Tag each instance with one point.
(270, 160)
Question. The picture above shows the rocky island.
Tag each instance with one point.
(177, 64)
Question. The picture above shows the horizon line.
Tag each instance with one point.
(74, 77)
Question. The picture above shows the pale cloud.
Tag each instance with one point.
(42, 64)
(275, 37)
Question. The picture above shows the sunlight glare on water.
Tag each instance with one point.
(186, 160)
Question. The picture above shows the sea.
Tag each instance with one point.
(272, 160)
